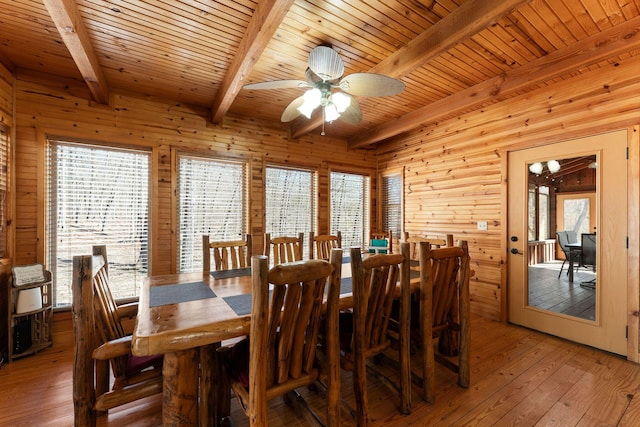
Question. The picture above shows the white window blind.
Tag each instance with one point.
(350, 207)
(212, 200)
(4, 190)
(97, 196)
(392, 204)
(290, 205)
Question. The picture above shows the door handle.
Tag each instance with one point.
(515, 251)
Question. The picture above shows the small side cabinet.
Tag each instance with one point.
(30, 310)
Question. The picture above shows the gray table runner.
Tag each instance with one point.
(173, 294)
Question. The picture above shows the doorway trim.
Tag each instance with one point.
(633, 229)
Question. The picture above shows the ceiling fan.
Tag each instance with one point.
(329, 90)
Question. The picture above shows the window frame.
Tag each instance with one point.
(313, 212)
(245, 216)
(399, 172)
(368, 210)
(49, 142)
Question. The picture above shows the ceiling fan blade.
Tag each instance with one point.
(277, 84)
(326, 63)
(352, 114)
(371, 84)
(291, 112)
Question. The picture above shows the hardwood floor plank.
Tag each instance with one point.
(600, 397)
(518, 377)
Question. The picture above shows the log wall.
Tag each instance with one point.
(455, 169)
(50, 106)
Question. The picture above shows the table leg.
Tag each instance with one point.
(571, 256)
(180, 388)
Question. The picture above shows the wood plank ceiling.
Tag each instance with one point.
(454, 56)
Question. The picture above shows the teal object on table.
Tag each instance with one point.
(378, 243)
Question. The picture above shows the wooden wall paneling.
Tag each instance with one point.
(26, 196)
(455, 165)
(48, 105)
(323, 214)
(257, 205)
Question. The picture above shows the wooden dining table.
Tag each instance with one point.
(184, 316)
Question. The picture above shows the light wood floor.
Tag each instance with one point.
(518, 377)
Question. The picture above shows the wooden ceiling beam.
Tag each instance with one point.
(67, 19)
(467, 20)
(609, 43)
(263, 25)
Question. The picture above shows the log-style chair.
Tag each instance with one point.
(320, 246)
(280, 354)
(227, 255)
(283, 249)
(365, 332)
(100, 341)
(435, 242)
(444, 312)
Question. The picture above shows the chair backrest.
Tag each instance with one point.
(563, 241)
(588, 249)
(414, 243)
(283, 249)
(375, 285)
(379, 235)
(96, 321)
(572, 236)
(444, 309)
(320, 246)
(105, 312)
(285, 324)
(447, 271)
(227, 255)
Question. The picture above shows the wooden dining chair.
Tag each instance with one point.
(444, 312)
(365, 332)
(320, 246)
(414, 245)
(227, 254)
(379, 238)
(283, 249)
(280, 356)
(100, 341)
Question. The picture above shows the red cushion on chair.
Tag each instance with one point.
(137, 364)
(238, 362)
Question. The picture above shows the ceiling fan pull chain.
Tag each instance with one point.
(322, 133)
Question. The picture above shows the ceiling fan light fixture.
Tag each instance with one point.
(553, 165)
(331, 112)
(312, 99)
(341, 101)
(535, 168)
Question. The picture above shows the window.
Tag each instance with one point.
(290, 202)
(4, 190)
(539, 211)
(212, 199)
(350, 207)
(391, 201)
(97, 196)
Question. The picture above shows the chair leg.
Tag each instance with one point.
(560, 273)
(222, 409)
(360, 391)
